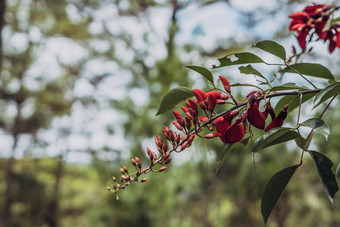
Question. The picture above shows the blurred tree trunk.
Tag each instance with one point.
(53, 207)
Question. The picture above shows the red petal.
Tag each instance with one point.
(198, 95)
(278, 121)
(236, 132)
(222, 126)
(303, 16)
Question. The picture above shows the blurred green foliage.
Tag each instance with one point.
(40, 190)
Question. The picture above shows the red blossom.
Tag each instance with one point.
(278, 121)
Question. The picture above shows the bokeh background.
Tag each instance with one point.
(81, 81)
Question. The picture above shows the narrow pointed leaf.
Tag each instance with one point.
(287, 98)
(318, 125)
(240, 58)
(203, 71)
(324, 166)
(250, 70)
(274, 189)
(287, 86)
(173, 97)
(273, 137)
(326, 93)
(310, 69)
(272, 47)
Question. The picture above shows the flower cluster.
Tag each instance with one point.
(313, 20)
(191, 124)
(233, 133)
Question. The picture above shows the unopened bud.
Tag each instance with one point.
(165, 147)
(162, 169)
(122, 170)
(166, 156)
(133, 162)
(114, 178)
(108, 188)
(143, 180)
(167, 161)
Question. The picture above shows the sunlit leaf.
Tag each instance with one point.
(238, 59)
(326, 93)
(318, 125)
(203, 71)
(324, 166)
(250, 70)
(274, 189)
(173, 97)
(287, 86)
(310, 69)
(273, 137)
(287, 98)
(272, 47)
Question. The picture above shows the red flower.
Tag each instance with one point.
(225, 83)
(222, 126)
(236, 132)
(278, 121)
(255, 117)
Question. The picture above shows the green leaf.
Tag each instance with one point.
(250, 70)
(287, 98)
(310, 69)
(318, 125)
(272, 47)
(227, 148)
(241, 58)
(326, 93)
(324, 165)
(304, 143)
(173, 97)
(203, 71)
(274, 189)
(273, 137)
(335, 20)
(287, 86)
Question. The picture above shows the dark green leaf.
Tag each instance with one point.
(272, 47)
(318, 125)
(287, 98)
(173, 97)
(326, 93)
(203, 71)
(310, 69)
(241, 58)
(304, 143)
(227, 148)
(250, 70)
(324, 166)
(274, 136)
(287, 86)
(274, 189)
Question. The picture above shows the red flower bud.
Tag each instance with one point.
(211, 103)
(198, 95)
(187, 123)
(212, 135)
(177, 125)
(225, 83)
(278, 121)
(179, 118)
(203, 119)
